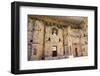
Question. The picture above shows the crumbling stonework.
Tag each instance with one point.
(51, 39)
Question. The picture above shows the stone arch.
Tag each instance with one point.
(54, 31)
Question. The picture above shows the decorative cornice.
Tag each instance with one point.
(51, 20)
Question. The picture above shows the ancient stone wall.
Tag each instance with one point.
(36, 38)
(55, 42)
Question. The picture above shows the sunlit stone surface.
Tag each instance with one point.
(55, 37)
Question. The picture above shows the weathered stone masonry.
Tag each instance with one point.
(51, 38)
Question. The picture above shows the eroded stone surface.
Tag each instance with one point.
(48, 40)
